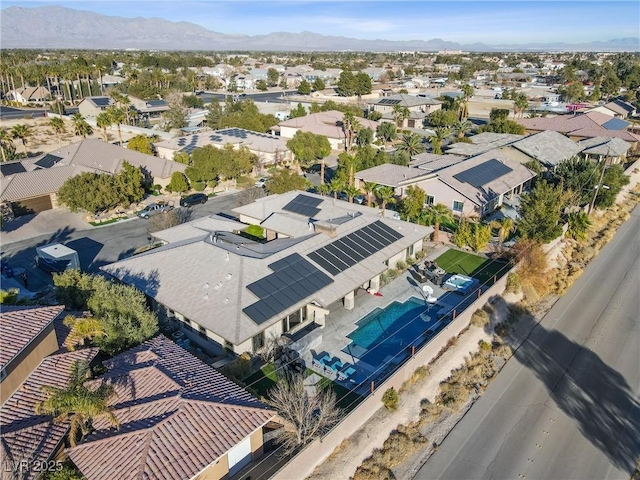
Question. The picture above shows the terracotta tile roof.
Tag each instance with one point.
(23, 432)
(328, 124)
(20, 325)
(584, 125)
(177, 416)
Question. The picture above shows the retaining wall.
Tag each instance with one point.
(317, 451)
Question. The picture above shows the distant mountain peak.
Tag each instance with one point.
(54, 26)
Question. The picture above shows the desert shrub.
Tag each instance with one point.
(400, 265)
(417, 375)
(420, 255)
(480, 318)
(530, 294)
(390, 399)
(485, 346)
(502, 329)
(369, 470)
(513, 283)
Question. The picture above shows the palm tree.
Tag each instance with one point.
(118, 116)
(440, 134)
(411, 144)
(336, 186)
(351, 192)
(400, 113)
(104, 121)
(520, 104)
(505, 226)
(350, 162)
(579, 225)
(464, 108)
(78, 403)
(84, 328)
(349, 125)
(437, 214)
(80, 125)
(58, 126)
(5, 140)
(369, 189)
(386, 195)
(323, 189)
(23, 132)
(462, 127)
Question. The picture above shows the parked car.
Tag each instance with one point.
(194, 199)
(343, 196)
(314, 168)
(153, 209)
(260, 183)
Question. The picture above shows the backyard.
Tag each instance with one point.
(483, 269)
(263, 380)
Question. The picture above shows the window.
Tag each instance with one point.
(429, 200)
(458, 206)
(202, 331)
(187, 324)
(228, 345)
(258, 342)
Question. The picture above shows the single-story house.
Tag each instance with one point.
(179, 418)
(229, 292)
(475, 186)
(328, 124)
(612, 150)
(268, 148)
(31, 184)
(111, 80)
(91, 107)
(419, 107)
(616, 108)
(26, 95)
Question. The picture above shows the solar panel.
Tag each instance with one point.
(484, 173)
(48, 161)
(101, 101)
(12, 168)
(293, 279)
(345, 252)
(303, 205)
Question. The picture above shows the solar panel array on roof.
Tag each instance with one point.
(156, 103)
(304, 205)
(11, 168)
(615, 124)
(292, 280)
(189, 146)
(240, 133)
(48, 161)
(483, 173)
(355, 247)
(388, 101)
(101, 101)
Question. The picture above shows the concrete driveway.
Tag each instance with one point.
(43, 223)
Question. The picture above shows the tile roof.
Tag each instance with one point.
(23, 432)
(604, 146)
(406, 100)
(177, 416)
(620, 107)
(582, 125)
(391, 174)
(482, 142)
(20, 325)
(432, 162)
(328, 124)
(550, 148)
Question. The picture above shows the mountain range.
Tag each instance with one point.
(60, 27)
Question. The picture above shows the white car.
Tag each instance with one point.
(260, 183)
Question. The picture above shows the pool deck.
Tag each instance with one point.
(332, 339)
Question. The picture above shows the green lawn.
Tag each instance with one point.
(455, 261)
(265, 379)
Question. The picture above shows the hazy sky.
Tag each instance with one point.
(510, 22)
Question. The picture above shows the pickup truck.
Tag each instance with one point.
(153, 209)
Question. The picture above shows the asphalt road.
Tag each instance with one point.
(10, 113)
(273, 97)
(98, 246)
(566, 406)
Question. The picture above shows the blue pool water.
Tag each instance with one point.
(387, 331)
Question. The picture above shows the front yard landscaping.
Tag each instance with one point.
(483, 269)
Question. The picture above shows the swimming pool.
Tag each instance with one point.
(387, 331)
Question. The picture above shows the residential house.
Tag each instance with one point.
(475, 186)
(419, 108)
(328, 124)
(231, 293)
(610, 150)
(179, 418)
(111, 80)
(375, 72)
(31, 184)
(27, 337)
(292, 79)
(328, 76)
(616, 108)
(269, 149)
(91, 107)
(241, 82)
(149, 109)
(585, 125)
(26, 95)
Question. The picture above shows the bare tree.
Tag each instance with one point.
(250, 195)
(169, 219)
(306, 417)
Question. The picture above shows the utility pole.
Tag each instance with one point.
(597, 189)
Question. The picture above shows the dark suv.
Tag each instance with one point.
(193, 199)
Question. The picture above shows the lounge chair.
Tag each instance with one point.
(321, 363)
(332, 369)
(346, 372)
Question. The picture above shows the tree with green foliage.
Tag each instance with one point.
(505, 227)
(364, 137)
(298, 111)
(399, 158)
(286, 180)
(400, 113)
(175, 117)
(346, 84)
(462, 127)
(390, 399)
(82, 329)
(118, 116)
(141, 143)
(579, 176)
(58, 126)
(502, 126)
(362, 84)
(104, 121)
(178, 183)
(374, 116)
(80, 125)
(440, 134)
(463, 235)
(262, 85)
(436, 215)
(468, 91)
(192, 101)
(579, 225)
(443, 118)
(214, 115)
(351, 192)
(386, 195)
(336, 185)
(318, 84)
(182, 157)
(369, 190)
(387, 132)
(520, 104)
(23, 133)
(411, 144)
(480, 237)
(6, 144)
(9, 296)
(612, 182)
(273, 76)
(540, 212)
(308, 147)
(304, 88)
(78, 403)
(412, 204)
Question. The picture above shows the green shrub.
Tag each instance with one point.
(255, 231)
(513, 283)
(178, 183)
(480, 318)
(9, 297)
(486, 346)
(400, 265)
(420, 254)
(239, 369)
(199, 186)
(390, 399)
